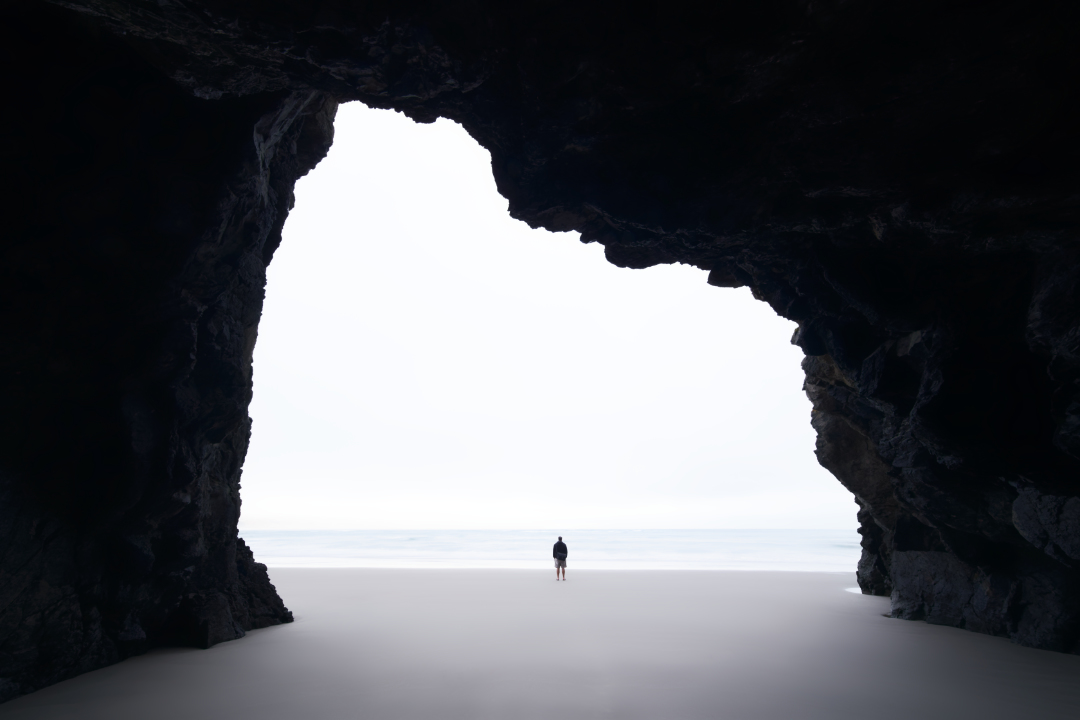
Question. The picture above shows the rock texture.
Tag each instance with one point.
(138, 223)
(898, 179)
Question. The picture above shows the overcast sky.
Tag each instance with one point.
(425, 361)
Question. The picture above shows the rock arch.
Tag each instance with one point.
(899, 181)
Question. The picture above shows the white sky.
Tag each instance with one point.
(425, 361)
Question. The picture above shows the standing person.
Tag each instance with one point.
(559, 552)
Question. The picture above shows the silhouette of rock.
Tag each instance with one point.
(898, 180)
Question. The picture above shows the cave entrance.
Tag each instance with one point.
(425, 361)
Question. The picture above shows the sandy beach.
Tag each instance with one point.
(656, 645)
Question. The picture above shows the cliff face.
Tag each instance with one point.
(138, 224)
(898, 180)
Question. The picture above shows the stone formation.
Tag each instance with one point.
(898, 179)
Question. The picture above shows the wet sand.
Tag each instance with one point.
(655, 645)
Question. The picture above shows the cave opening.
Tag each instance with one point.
(425, 361)
(895, 182)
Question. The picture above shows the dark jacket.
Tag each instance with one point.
(559, 552)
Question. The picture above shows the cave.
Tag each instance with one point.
(898, 180)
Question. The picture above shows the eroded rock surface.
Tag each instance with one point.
(138, 223)
(898, 179)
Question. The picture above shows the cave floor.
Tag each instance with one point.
(661, 645)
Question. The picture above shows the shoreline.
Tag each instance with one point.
(785, 550)
(272, 568)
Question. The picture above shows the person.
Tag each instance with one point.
(559, 552)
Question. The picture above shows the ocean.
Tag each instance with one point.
(790, 550)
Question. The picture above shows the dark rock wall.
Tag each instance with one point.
(138, 221)
(898, 179)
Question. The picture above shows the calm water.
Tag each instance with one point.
(806, 550)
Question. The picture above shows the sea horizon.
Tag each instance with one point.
(591, 549)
